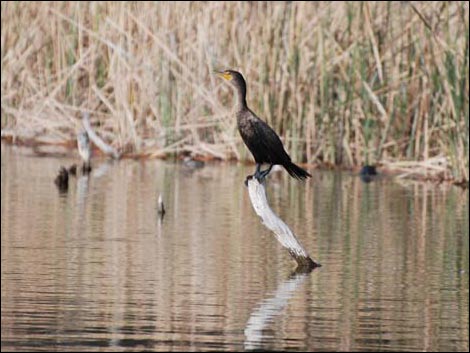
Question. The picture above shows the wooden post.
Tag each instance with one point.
(282, 232)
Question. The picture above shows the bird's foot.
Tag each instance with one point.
(259, 175)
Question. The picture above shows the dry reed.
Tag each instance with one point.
(344, 83)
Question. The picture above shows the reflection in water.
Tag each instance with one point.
(95, 270)
(103, 168)
(82, 190)
(269, 309)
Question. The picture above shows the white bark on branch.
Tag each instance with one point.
(282, 232)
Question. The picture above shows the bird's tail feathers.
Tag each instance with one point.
(296, 172)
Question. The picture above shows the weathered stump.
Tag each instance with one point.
(282, 232)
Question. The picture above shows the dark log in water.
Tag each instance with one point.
(282, 232)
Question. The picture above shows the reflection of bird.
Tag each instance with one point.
(84, 148)
(259, 137)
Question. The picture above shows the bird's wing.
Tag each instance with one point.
(269, 142)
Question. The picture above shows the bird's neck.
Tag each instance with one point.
(241, 97)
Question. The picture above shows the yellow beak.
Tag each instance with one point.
(225, 75)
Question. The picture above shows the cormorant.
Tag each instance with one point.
(62, 180)
(259, 137)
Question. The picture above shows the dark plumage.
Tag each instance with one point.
(368, 173)
(62, 180)
(73, 170)
(259, 137)
(368, 170)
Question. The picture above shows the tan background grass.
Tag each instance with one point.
(344, 83)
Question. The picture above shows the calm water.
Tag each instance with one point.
(95, 268)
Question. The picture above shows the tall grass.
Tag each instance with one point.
(343, 83)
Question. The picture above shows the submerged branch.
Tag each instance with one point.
(281, 231)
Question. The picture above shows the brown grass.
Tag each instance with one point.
(343, 83)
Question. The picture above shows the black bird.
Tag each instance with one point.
(259, 137)
(62, 180)
(368, 173)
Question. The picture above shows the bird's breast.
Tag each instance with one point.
(247, 124)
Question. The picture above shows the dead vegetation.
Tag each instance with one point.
(345, 84)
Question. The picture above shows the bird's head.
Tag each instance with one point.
(234, 77)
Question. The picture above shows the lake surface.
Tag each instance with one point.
(96, 269)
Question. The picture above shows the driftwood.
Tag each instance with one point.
(282, 232)
(103, 146)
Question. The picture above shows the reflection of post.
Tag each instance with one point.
(269, 308)
(82, 191)
(283, 234)
(102, 170)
